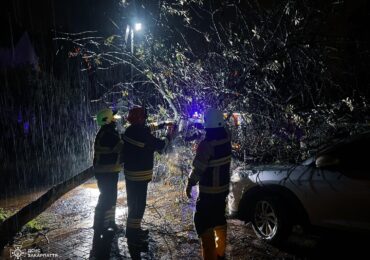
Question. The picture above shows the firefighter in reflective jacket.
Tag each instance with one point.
(138, 152)
(107, 158)
(211, 169)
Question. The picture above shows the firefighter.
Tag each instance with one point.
(138, 151)
(107, 158)
(211, 169)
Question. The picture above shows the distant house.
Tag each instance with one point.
(20, 55)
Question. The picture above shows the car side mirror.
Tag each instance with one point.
(326, 160)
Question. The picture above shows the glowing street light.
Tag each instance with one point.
(138, 26)
(130, 30)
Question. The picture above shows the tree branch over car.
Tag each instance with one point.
(264, 62)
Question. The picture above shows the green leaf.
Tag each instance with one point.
(109, 40)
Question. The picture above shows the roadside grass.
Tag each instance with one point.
(31, 227)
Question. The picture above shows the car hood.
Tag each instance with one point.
(263, 172)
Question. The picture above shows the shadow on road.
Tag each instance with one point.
(328, 245)
(105, 246)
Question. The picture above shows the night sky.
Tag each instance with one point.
(346, 21)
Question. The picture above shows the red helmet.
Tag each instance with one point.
(136, 115)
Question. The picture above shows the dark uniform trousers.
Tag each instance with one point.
(106, 208)
(139, 149)
(210, 211)
(212, 165)
(107, 159)
(212, 171)
(136, 202)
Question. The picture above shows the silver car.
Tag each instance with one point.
(330, 190)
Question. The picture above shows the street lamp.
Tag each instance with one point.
(131, 30)
(137, 26)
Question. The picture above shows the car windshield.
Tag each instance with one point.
(350, 157)
(358, 140)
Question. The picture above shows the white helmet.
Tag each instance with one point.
(213, 118)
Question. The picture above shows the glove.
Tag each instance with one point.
(189, 186)
(188, 191)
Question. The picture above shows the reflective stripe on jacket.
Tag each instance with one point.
(107, 150)
(138, 152)
(211, 166)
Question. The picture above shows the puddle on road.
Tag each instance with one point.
(169, 217)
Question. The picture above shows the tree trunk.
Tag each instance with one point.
(12, 225)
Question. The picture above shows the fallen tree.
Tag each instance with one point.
(260, 62)
(12, 225)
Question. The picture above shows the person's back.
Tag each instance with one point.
(107, 160)
(216, 177)
(138, 151)
(139, 148)
(211, 169)
(106, 154)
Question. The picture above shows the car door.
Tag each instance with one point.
(343, 184)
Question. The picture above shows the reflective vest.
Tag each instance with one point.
(215, 177)
(139, 149)
(108, 147)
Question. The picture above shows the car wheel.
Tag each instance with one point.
(270, 221)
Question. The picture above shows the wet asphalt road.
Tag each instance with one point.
(67, 232)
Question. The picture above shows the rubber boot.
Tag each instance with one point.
(208, 245)
(220, 234)
(143, 232)
(137, 232)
